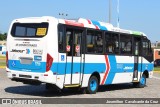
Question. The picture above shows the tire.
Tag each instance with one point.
(92, 85)
(141, 83)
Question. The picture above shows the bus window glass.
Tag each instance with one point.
(94, 42)
(112, 43)
(125, 44)
(61, 39)
(29, 29)
(145, 48)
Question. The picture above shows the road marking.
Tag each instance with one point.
(156, 77)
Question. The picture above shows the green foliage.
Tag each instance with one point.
(157, 69)
(3, 36)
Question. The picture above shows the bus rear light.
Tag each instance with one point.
(49, 62)
(7, 59)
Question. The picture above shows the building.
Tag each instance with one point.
(156, 53)
(156, 50)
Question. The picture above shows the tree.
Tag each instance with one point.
(3, 36)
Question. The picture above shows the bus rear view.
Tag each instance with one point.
(26, 56)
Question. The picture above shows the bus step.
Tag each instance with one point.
(71, 85)
(135, 81)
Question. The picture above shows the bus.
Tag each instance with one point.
(82, 53)
(2, 50)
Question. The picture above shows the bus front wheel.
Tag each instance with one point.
(141, 83)
(92, 85)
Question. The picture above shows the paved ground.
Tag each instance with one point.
(11, 89)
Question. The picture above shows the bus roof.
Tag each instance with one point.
(82, 22)
(98, 25)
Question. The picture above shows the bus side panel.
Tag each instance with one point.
(147, 66)
(121, 69)
(61, 70)
(52, 48)
(93, 63)
(112, 69)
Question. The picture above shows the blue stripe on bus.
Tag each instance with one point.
(113, 69)
(89, 68)
(39, 67)
(99, 25)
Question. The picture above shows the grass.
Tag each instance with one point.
(2, 63)
(2, 57)
(156, 68)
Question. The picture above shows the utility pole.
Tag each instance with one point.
(110, 11)
(118, 20)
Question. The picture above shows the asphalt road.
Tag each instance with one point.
(11, 89)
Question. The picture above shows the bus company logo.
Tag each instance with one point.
(37, 51)
(27, 51)
(128, 68)
(17, 51)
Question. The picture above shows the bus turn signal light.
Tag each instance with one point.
(49, 62)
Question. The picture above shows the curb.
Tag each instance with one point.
(2, 66)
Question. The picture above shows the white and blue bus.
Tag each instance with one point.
(2, 50)
(76, 53)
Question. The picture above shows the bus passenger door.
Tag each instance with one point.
(137, 58)
(74, 57)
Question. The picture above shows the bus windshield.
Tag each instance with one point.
(29, 29)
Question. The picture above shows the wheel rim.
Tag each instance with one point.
(143, 81)
(93, 85)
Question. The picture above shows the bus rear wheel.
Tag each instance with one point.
(92, 85)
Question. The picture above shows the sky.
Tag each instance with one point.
(137, 15)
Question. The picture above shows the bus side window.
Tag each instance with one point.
(109, 45)
(90, 41)
(146, 48)
(77, 43)
(99, 42)
(126, 44)
(112, 43)
(136, 46)
(61, 39)
(94, 41)
(69, 40)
